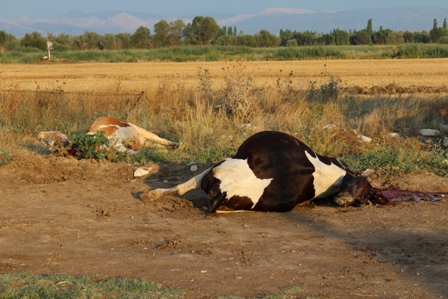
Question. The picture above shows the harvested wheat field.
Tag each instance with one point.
(87, 217)
(136, 77)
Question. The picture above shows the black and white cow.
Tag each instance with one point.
(273, 171)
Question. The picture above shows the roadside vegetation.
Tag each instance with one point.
(231, 53)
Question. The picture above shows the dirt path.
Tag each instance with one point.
(61, 215)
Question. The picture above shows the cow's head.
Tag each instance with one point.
(354, 191)
(53, 139)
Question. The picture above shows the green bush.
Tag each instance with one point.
(422, 51)
(292, 43)
(443, 40)
(88, 146)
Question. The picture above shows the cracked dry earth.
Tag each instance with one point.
(80, 217)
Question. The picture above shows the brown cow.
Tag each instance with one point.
(122, 135)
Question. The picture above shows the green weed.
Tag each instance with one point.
(86, 146)
(4, 156)
(27, 285)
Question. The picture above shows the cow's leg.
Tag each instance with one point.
(146, 135)
(191, 184)
(232, 211)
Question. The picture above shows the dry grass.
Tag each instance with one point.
(212, 107)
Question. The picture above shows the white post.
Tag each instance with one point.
(49, 47)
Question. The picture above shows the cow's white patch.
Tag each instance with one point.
(238, 179)
(327, 178)
(118, 138)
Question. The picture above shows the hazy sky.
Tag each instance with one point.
(14, 9)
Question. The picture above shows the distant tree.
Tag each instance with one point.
(341, 37)
(167, 34)
(108, 41)
(122, 41)
(265, 39)
(6, 37)
(63, 39)
(422, 37)
(434, 25)
(222, 31)
(201, 31)
(247, 40)
(291, 43)
(306, 38)
(191, 37)
(225, 40)
(229, 31)
(285, 36)
(34, 40)
(381, 36)
(444, 30)
(395, 37)
(61, 42)
(408, 37)
(86, 41)
(91, 40)
(361, 37)
(234, 31)
(161, 34)
(77, 42)
(435, 32)
(140, 39)
(369, 28)
(175, 35)
(324, 39)
(100, 45)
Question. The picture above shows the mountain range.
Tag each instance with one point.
(272, 19)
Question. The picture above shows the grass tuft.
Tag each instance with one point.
(28, 285)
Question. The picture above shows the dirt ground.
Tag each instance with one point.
(62, 215)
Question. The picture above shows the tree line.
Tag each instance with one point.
(205, 30)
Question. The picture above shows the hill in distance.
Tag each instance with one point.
(273, 19)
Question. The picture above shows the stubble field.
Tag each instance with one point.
(136, 77)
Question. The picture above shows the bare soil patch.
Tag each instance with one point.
(81, 217)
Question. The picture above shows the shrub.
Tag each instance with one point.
(443, 40)
(292, 43)
(88, 146)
